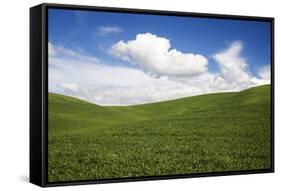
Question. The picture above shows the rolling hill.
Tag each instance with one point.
(206, 133)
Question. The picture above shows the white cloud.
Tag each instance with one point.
(264, 76)
(72, 87)
(233, 67)
(59, 51)
(84, 77)
(104, 30)
(264, 72)
(51, 49)
(154, 55)
(110, 85)
(80, 75)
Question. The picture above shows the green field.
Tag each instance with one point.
(206, 133)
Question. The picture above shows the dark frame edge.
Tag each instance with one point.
(272, 83)
(45, 94)
(159, 178)
(156, 12)
(36, 131)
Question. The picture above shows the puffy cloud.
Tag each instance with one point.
(79, 75)
(110, 85)
(154, 55)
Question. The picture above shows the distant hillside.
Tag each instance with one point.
(206, 133)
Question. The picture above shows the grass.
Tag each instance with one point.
(200, 134)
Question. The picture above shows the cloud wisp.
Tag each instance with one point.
(235, 70)
(232, 65)
(105, 30)
(77, 74)
(264, 73)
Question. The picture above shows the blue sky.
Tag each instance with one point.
(94, 34)
(79, 30)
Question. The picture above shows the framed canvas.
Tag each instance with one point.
(127, 94)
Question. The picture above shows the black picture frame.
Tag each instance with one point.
(39, 92)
